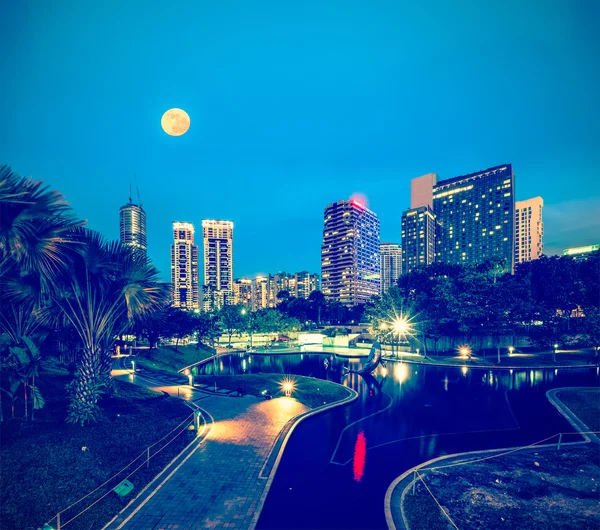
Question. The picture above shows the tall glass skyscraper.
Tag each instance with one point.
(418, 238)
(391, 264)
(184, 267)
(476, 215)
(350, 253)
(218, 263)
(133, 226)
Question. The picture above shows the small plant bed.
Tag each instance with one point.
(535, 490)
(307, 390)
(171, 360)
(585, 404)
(48, 464)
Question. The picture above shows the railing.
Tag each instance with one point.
(417, 473)
(69, 514)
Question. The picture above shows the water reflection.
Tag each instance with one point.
(416, 414)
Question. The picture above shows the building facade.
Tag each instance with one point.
(581, 253)
(529, 229)
(421, 190)
(475, 217)
(218, 264)
(242, 292)
(390, 265)
(184, 267)
(418, 238)
(350, 265)
(132, 223)
(306, 283)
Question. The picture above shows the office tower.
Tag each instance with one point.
(391, 265)
(418, 238)
(260, 293)
(350, 253)
(184, 267)
(581, 253)
(218, 263)
(306, 283)
(529, 229)
(242, 292)
(133, 226)
(421, 190)
(475, 217)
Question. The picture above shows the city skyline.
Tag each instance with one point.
(271, 112)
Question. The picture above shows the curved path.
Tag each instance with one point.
(216, 482)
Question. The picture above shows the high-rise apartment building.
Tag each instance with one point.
(391, 264)
(242, 292)
(184, 267)
(350, 253)
(476, 217)
(218, 263)
(529, 229)
(260, 293)
(421, 190)
(418, 238)
(306, 283)
(132, 219)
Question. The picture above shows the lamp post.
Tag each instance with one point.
(510, 350)
(554, 352)
(400, 329)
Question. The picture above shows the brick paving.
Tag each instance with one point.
(218, 486)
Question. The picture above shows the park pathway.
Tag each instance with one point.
(215, 482)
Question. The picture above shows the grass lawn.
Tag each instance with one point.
(585, 404)
(166, 358)
(44, 468)
(309, 391)
(547, 489)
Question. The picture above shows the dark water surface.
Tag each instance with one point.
(338, 465)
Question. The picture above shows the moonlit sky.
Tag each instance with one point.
(295, 105)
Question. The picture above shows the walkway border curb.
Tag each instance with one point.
(562, 409)
(569, 415)
(353, 396)
(493, 367)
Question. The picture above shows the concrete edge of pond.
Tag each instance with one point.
(397, 489)
(353, 395)
(492, 367)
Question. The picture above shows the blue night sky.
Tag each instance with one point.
(295, 105)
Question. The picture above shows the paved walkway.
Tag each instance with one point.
(215, 483)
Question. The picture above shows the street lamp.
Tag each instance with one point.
(510, 350)
(190, 376)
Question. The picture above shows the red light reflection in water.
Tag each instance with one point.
(360, 456)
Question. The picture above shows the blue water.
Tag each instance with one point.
(337, 466)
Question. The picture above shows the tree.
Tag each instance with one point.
(177, 324)
(206, 327)
(232, 320)
(317, 305)
(108, 288)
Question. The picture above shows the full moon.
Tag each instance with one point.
(175, 122)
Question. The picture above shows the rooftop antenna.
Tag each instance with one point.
(138, 194)
(130, 193)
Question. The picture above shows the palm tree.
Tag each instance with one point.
(29, 360)
(108, 287)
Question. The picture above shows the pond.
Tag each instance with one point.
(338, 465)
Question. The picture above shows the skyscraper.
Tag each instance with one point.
(242, 292)
(476, 215)
(184, 267)
(133, 226)
(218, 263)
(418, 238)
(306, 283)
(529, 229)
(391, 264)
(350, 253)
(421, 190)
